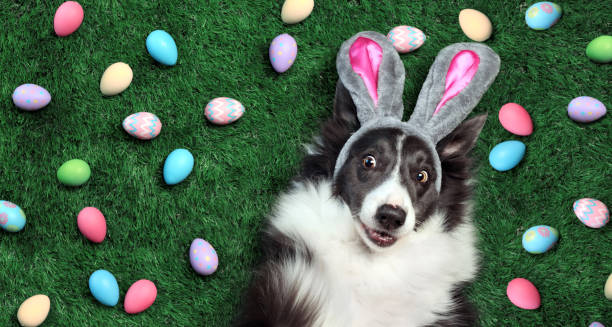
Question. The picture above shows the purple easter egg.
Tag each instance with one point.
(203, 257)
(31, 97)
(585, 109)
(283, 51)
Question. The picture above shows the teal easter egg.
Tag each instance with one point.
(104, 287)
(178, 166)
(542, 15)
(162, 48)
(507, 155)
(539, 239)
(12, 218)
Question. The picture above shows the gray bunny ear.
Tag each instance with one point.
(458, 78)
(372, 72)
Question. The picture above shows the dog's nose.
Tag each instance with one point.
(390, 217)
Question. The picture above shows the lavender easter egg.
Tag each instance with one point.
(31, 97)
(539, 239)
(142, 125)
(406, 38)
(223, 111)
(283, 51)
(596, 324)
(585, 109)
(12, 218)
(591, 212)
(203, 257)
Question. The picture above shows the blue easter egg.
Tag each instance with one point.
(507, 155)
(12, 218)
(539, 239)
(162, 48)
(542, 15)
(104, 288)
(178, 166)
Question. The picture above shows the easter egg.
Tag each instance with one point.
(12, 218)
(585, 109)
(475, 25)
(608, 288)
(74, 172)
(162, 48)
(591, 212)
(542, 15)
(283, 51)
(68, 18)
(142, 125)
(596, 324)
(178, 166)
(92, 224)
(104, 287)
(515, 119)
(140, 296)
(116, 78)
(295, 11)
(203, 257)
(507, 155)
(600, 49)
(539, 239)
(523, 294)
(33, 311)
(406, 38)
(223, 111)
(31, 97)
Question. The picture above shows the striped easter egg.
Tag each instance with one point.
(31, 97)
(142, 125)
(223, 111)
(592, 212)
(406, 38)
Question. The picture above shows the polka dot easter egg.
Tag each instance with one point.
(591, 212)
(12, 218)
(406, 38)
(585, 109)
(283, 51)
(539, 239)
(223, 111)
(542, 15)
(31, 97)
(596, 324)
(203, 257)
(142, 125)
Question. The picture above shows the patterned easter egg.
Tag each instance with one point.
(515, 119)
(585, 109)
(596, 324)
(283, 51)
(223, 111)
(523, 294)
(203, 257)
(539, 239)
(12, 218)
(542, 15)
(142, 125)
(31, 97)
(406, 38)
(592, 212)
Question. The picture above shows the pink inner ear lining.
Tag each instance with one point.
(462, 69)
(366, 56)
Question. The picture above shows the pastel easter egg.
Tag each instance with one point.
(542, 15)
(68, 18)
(74, 172)
(539, 239)
(104, 287)
(142, 125)
(523, 294)
(140, 296)
(475, 25)
(12, 218)
(596, 324)
(203, 257)
(406, 38)
(506, 155)
(591, 212)
(33, 311)
(178, 166)
(600, 49)
(283, 51)
(223, 111)
(162, 48)
(515, 119)
(608, 288)
(116, 78)
(585, 109)
(31, 97)
(92, 224)
(295, 11)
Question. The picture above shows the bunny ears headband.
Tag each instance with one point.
(373, 74)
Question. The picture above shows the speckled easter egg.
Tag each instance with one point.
(12, 218)
(475, 25)
(591, 212)
(539, 239)
(223, 111)
(142, 125)
(585, 109)
(515, 119)
(600, 49)
(406, 38)
(31, 97)
(68, 18)
(116, 78)
(33, 311)
(140, 296)
(283, 51)
(542, 15)
(523, 294)
(203, 257)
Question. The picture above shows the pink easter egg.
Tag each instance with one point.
(515, 119)
(142, 125)
(140, 296)
(406, 38)
(223, 111)
(283, 51)
(31, 97)
(203, 257)
(68, 18)
(585, 109)
(523, 294)
(92, 224)
(592, 212)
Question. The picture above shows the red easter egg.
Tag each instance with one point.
(92, 224)
(68, 18)
(515, 119)
(140, 296)
(523, 294)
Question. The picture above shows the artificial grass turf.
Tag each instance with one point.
(241, 168)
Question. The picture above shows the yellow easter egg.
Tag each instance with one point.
(295, 11)
(116, 78)
(608, 288)
(34, 310)
(475, 25)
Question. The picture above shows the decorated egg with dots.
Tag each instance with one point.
(539, 239)
(591, 212)
(406, 38)
(142, 125)
(542, 15)
(31, 97)
(203, 257)
(223, 111)
(596, 324)
(585, 109)
(12, 218)
(283, 51)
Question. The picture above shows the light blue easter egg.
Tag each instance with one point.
(507, 155)
(539, 239)
(12, 218)
(104, 288)
(162, 48)
(542, 15)
(178, 166)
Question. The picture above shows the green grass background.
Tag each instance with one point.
(240, 169)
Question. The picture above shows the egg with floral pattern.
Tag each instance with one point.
(539, 239)
(142, 125)
(542, 15)
(203, 257)
(592, 212)
(283, 52)
(31, 97)
(585, 109)
(12, 218)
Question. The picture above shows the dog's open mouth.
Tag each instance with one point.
(380, 238)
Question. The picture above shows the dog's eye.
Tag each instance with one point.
(369, 162)
(422, 177)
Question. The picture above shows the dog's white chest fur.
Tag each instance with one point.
(408, 284)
